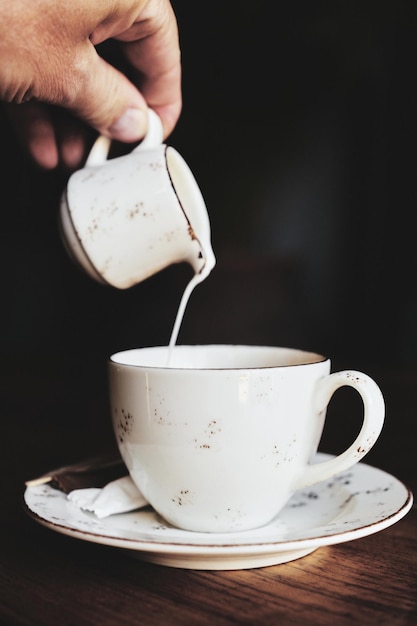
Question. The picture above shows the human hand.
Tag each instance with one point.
(50, 65)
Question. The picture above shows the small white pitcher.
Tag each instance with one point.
(126, 218)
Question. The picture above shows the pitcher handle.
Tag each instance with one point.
(373, 420)
(101, 147)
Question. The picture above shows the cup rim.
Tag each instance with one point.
(302, 358)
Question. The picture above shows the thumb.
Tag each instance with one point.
(110, 103)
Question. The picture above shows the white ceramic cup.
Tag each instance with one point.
(221, 439)
(126, 218)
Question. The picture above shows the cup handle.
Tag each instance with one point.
(154, 137)
(373, 420)
(155, 133)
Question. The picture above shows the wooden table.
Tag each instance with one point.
(49, 579)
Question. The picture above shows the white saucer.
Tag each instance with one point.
(357, 503)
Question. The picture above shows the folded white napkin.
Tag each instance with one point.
(118, 496)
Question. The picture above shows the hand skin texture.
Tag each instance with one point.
(56, 85)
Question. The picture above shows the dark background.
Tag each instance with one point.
(299, 125)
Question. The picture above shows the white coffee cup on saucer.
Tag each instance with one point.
(220, 439)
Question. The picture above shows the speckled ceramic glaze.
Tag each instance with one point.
(126, 218)
(221, 439)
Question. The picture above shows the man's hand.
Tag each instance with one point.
(49, 56)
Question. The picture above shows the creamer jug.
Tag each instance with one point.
(124, 219)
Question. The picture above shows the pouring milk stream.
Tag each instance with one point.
(124, 219)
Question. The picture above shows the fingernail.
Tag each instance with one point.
(131, 126)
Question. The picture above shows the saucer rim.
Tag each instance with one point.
(226, 555)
